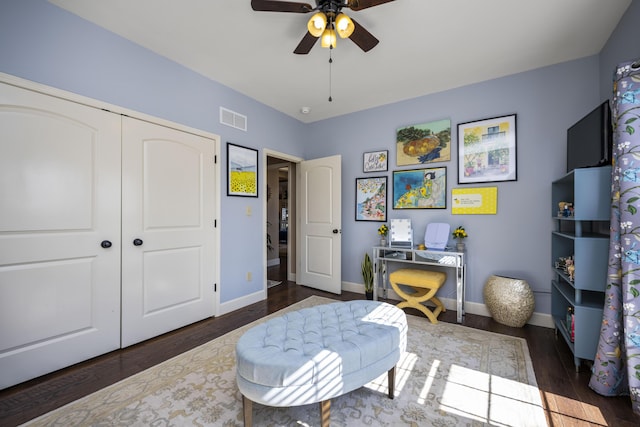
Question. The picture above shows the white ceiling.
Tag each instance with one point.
(426, 46)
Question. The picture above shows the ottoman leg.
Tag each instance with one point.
(325, 413)
(391, 379)
(247, 409)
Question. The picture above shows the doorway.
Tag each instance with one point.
(313, 193)
(280, 219)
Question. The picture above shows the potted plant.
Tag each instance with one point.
(382, 231)
(367, 276)
(460, 234)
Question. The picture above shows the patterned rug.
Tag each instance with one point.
(451, 375)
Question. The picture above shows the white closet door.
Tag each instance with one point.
(168, 196)
(59, 200)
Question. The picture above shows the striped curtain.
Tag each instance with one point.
(616, 369)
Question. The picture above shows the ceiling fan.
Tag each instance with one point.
(326, 22)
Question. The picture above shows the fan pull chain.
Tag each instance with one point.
(330, 62)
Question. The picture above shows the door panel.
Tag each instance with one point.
(46, 179)
(59, 199)
(172, 171)
(168, 199)
(48, 290)
(160, 273)
(320, 224)
(319, 255)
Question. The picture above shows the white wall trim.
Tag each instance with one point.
(288, 158)
(537, 319)
(95, 103)
(242, 302)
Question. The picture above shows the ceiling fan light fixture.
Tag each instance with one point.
(344, 26)
(317, 24)
(328, 38)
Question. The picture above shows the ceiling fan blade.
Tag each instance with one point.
(305, 44)
(363, 38)
(280, 6)
(364, 4)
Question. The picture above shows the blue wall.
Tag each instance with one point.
(43, 43)
(516, 242)
(48, 45)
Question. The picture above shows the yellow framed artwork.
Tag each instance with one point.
(242, 171)
(478, 201)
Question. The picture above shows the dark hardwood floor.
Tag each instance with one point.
(568, 399)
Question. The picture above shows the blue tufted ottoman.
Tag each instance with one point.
(317, 353)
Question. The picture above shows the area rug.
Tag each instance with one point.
(451, 375)
(272, 283)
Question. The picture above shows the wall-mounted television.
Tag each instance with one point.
(589, 141)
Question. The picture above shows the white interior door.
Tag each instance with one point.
(168, 234)
(59, 200)
(320, 224)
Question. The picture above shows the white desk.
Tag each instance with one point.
(447, 258)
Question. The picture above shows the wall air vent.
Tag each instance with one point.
(233, 119)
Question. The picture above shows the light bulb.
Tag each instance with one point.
(344, 26)
(328, 38)
(317, 24)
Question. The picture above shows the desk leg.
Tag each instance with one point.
(384, 280)
(379, 272)
(376, 261)
(460, 292)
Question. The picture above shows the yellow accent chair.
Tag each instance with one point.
(423, 285)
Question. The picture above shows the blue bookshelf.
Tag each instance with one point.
(584, 235)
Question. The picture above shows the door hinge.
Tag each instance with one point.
(215, 159)
(215, 223)
(215, 287)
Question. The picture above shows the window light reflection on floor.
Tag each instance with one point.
(491, 399)
(422, 399)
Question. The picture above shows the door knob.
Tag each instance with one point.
(137, 242)
(335, 231)
(105, 244)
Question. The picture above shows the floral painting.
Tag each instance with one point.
(425, 143)
(371, 199)
(420, 189)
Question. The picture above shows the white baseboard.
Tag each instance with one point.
(241, 302)
(537, 319)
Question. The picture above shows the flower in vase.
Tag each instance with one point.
(459, 233)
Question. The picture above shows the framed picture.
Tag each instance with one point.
(424, 143)
(375, 161)
(476, 200)
(371, 199)
(242, 171)
(420, 189)
(487, 150)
